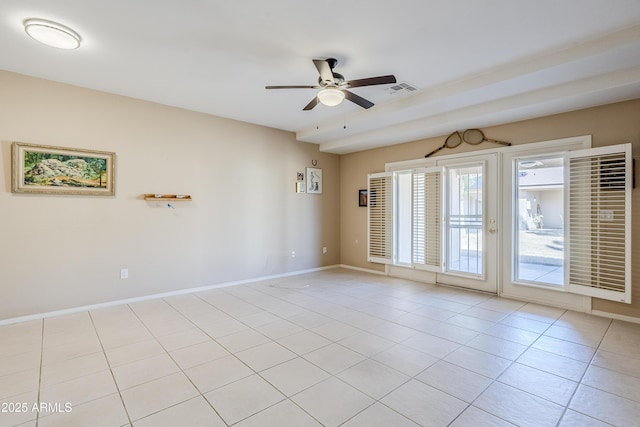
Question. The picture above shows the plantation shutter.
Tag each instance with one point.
(380, 217)
(600, 181)
(427, 227)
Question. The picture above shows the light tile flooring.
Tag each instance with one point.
(332, 348)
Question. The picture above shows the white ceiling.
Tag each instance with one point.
(474, 63)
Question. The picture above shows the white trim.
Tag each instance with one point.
(532, 292)
(616, 316)
(582, 305)
(156, 296)
(431, 161)
(584, 140)
(364, 270)
(408, 273)
(548, 146)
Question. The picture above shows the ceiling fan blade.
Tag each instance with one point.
(292, 87)
(311, 104)
(372, 81)
(356, 99)
(326, 74)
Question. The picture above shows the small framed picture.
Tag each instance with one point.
(300, 183)
(314, 180)
(362, 197)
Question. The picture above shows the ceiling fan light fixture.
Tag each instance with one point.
(52, 34)
(331, 96)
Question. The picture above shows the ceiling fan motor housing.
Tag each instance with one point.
(332, 62)
(338, 79)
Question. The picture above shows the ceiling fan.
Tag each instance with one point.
(334, 87)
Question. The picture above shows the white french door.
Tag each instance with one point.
(471, 222)
(441, 220)
(541, 222)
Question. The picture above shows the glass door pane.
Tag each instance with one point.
(465, 220)
(539, 220)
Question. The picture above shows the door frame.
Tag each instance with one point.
(547, 295)
(488, 280)
(526, 293)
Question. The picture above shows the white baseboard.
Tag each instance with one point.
(414, 274)
(581, 308)
(364, 270)
(614, 316)
(258, 279)
(161, 295)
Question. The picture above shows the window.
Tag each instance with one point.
(539, 220)
(427, 219)
(568, 219)
(405, 219)
(571, 219)
(380, 240)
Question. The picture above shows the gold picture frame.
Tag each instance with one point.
(59, 170)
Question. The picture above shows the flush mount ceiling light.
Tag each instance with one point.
(331, 96)
(52, 34)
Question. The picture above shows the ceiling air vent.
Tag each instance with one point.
(402, 87)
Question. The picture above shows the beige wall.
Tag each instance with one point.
(58, 252)
(609, 124)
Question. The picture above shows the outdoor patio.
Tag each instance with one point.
(541, 256)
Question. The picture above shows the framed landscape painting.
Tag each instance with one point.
(59, 170)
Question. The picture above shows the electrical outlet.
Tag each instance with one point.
(124, 273)
(293, 254)
(324, 249)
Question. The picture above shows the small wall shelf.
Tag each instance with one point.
(168, 197)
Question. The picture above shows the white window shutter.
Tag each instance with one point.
(380, 218)
(427, 230)
(599, 220)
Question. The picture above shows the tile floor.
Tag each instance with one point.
(332, 348)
